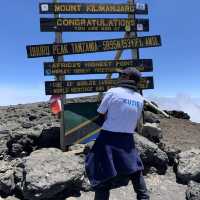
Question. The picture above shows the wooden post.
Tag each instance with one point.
(136, 55)
(135, 52)
(58, 39)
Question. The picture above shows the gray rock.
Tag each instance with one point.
(151, 154)
(172, 153)
(88, 147)
(16, 149)
(43, 114)
(19, 175)
(11, 198)
(4, 136)
(188, 166)
(193, 191)
(43, 105)
(3, 132)
(13, 125)
(178, 114)
(152, 170)
(152, 132)
(150, 117)
(81, 148)
(49, 172)
(27, 125)
(20, 144)
(32, 117)
(85, 186)
(49, 137)
(7, 183)
(45, 119)
(76, 147)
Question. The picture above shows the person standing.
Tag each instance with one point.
(114, 156)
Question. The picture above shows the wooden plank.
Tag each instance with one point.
(76, 8)
(95, 67)
(89, 86)
(93, 25)
(45, 50)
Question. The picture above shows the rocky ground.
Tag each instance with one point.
(32, 167)
(160, 186)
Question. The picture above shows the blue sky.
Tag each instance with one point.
(176, 63)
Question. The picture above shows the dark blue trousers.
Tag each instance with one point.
(113, 155)
(138, 185)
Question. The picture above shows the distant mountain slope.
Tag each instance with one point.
(180, 102)
(180, 133)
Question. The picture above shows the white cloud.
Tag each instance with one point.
(12, 95)
(180, 102)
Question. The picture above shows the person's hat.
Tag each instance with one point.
(132, 72)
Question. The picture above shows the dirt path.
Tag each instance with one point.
(160, 187)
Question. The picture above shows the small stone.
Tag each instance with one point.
(32, 117)
(77, 147)
(7, 183)
(150, 117)
(16, 149)
(152, 132)
(27, 125)
(193, 191)
(188, 166)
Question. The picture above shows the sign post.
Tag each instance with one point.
(88, 86)
(45, 50)
(58, 39)
(136, 55)
(93, 25)
(92, 8)
(95, 67)
(81, 125)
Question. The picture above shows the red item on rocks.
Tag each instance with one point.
(55, 104)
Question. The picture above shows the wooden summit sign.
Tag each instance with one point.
(95, 67)
(93, 24)
(45, 50)
(88, 86)
(76, 8)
